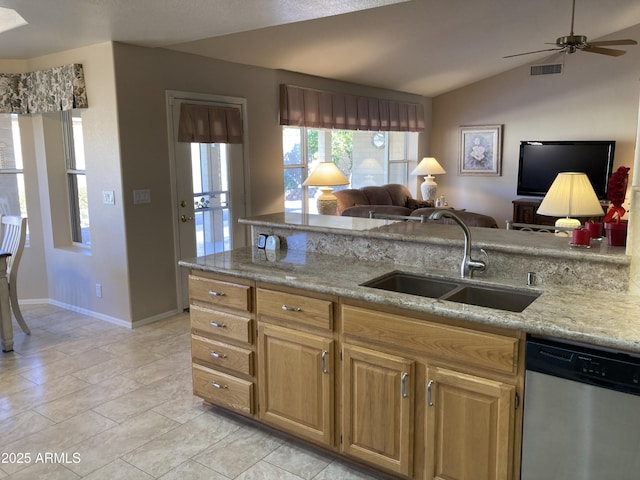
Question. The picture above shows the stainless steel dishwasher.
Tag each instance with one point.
(581, 413)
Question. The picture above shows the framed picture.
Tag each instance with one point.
(481, 150)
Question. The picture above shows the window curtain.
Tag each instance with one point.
(53, 90)
(306, 107)
(209, 124)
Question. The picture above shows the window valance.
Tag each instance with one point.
(306, 107)
(209, 124)
(52, 90)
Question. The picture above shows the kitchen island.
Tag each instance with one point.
(321, 357)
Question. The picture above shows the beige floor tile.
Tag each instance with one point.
(191, 470)
(74, 362)
(160, 369)
(118, 470)
(266, 471)
(303, 462)
(109, 445)
(14, 362)
(130, 404)
(87, 398)
(20, 426)
(44, 471)
(238, 451)
(118, 365)
(183, 408)
(3, 474)
(12, 383)
(167, 451)
(339, 471)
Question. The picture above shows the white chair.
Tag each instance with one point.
(14, 230)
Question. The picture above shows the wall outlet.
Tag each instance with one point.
(98, 290)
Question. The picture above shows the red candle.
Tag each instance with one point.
(581, 236)
(595, 228)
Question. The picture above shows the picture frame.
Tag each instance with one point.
(481, 150)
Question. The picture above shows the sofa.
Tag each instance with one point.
(396, 199)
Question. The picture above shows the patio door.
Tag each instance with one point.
(209, 192)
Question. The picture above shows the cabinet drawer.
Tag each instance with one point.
(222, 389)
(221, 324)
(221, 354)
(479, 349)
(216, 292)
(297, 308)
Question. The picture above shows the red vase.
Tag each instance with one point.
(616, 233)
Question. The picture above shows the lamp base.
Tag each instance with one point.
(428, 188)
(566, 223)
(327, 202)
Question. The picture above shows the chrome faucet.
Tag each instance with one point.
(468, 265)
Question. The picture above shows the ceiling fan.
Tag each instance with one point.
(572, 43)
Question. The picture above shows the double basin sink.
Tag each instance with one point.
(500, 298)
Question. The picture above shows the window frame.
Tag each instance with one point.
(73, 173)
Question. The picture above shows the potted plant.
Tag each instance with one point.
(614, 225)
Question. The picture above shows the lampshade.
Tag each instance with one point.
(326, 174)
(570, 195)
(428, 166)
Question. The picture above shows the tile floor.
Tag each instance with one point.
(81, 398)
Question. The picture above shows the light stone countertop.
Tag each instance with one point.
(604, 319)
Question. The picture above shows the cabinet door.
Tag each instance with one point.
(469, 427)
(296, 382)
(377, 416)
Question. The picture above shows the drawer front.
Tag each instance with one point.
(216, 292)
(297, 308)
(221, 354)
(480, 349)
(222, 389)
(221, 324)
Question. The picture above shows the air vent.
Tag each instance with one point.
(548, 69)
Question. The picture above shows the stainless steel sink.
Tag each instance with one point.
(403, 282)
(499, 298)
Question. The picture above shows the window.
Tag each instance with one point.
(12, 192)
(365, 158)
(76, 177)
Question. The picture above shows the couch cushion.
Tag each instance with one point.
(470, 218)
(363, 210)
(350, 197)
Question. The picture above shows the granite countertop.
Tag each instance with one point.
(603, 319)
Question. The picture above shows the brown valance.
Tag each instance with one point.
(209, 124)
(306, 107)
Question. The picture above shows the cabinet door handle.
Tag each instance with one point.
(218, 355)
(403, 385)
(217, 325)
(323, 361)
(213, 293)
(287, 308)
(429, 386)
(218, 386)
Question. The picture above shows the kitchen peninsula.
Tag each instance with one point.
(290, 338)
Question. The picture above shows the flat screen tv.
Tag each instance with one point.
(541, 161)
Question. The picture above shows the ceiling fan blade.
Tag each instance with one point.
(603, 43)
(604, 51)
(535, 51)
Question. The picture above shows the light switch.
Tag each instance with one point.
(141, 196)
(108, 197)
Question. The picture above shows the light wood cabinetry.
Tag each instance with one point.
(377, 408)
(296, 364)
(222, 341)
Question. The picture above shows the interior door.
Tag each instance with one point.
(209, 194)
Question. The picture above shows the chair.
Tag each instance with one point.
(14, 229)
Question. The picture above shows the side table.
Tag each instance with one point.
(6, 327)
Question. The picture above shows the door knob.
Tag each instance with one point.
(184, 218)
(183, 204)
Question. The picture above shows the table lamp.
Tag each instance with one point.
(326, 176)
(428, 166)
(570, 195)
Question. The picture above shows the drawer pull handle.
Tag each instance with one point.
(218, 386)
(213, 293)
(403, 384)
(324, 362)
(429, 387)
(218, 355)
(287, 308)
(217, 325)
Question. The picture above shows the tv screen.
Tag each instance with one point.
(541, 161)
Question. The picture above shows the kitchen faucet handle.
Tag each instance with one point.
(485, 257)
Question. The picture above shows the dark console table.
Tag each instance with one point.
(524, 211)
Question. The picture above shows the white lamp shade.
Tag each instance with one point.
(326, 174)
(570, 195)
(428, 166)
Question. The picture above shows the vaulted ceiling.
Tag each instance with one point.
(425, 47)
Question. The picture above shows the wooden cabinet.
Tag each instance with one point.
(296, 364)
(377, 408)
(469, 427)
(524, 211)
(222, 343)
